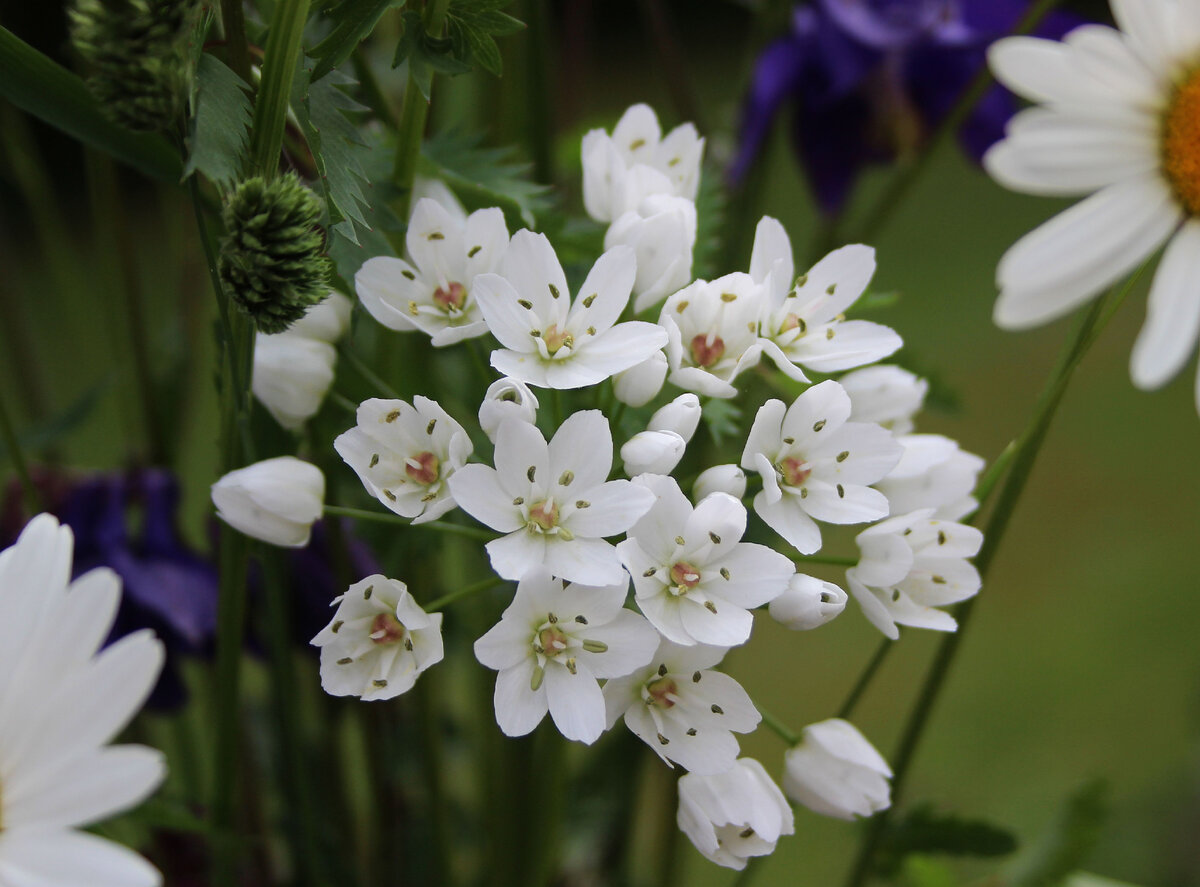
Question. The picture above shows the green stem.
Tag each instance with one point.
(829, 560)
(412, 119)
(788, 735)
(437, 525)
(279, 68)
(865, 679)
(538, 82)
(236, 50)
(904, 179)
(33, 499)
(465, 591)
(1028, 447)
(371, 377)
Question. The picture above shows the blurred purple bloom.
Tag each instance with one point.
(869, 80)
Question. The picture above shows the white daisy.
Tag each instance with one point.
(61, 703)
(1119, 115)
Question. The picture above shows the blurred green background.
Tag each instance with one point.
(1083, 658)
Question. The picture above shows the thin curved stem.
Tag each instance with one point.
(465, 591)
(788, 735)
(864, 680)
(389, 518)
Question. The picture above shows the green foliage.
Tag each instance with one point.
(473, 25)
(425, 53)
(711, 202)
(925, 831)
(272, 257)
(50, 92)
(484, 176)
(337, 147)
(59, 427)
(137, 53)
(921, 871)
(352, 21)
(723, 419)
(220, 123)
(1065, 846)
(348, 253)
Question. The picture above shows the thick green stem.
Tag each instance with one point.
(1028, 447)
(237, 53)
(828, 560)
(279, 68)
(412, 119)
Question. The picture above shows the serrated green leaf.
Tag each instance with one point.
(484, 176)
(711, 202)
(337, 147)
(425, 54)
(923, 831)
(1067, 843)
(497, 23)
(353, 21)
(723, 418)
(48, 91)
(472, 27)
(220, 123)
(348, 253)
(485, 51)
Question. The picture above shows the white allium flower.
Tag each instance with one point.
(639, 384)
(712, 330)
(682, 416)
(652, 452)
(683, 709)
(836, 772)
(405, 454)
(622, 170)
(551, 340)
(933, 473)
(694, 578)
(553, 645)
(275, 500)
(808, 603)
(435, 292)
(720, 479)
(909, 566)
(886, 395)
(1120, 116)
(816, 465)
(662, 232)
(734, 815)
(293, 370)
(506, 399)
(553, 500)
(803, 324)
(379, 641)
(61, 704)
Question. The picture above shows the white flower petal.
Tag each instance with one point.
(518, 707)
(1172, 325)
(575, 701)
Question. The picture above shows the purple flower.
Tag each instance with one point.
(870, 79)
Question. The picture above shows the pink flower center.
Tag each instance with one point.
(795, 472)
(544, 514)
(552, 640)
(684, 575)
(451, 297)
(423, 468)
(707, 351)
(661, 692)
(386, 629)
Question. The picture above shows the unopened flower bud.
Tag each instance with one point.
(638, 385)
(506, 399)
(275, 500)
(291, 376)
(272, 259)
(834, 771)
(720, 479)
(662, 232)
(808, 603)
(887, 395)
(652, 452)
(682, 415)
(734, 815)
(326, 321)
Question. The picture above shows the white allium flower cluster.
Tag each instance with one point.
(629, 594)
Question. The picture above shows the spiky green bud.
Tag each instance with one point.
(272, 259)
(137, 51)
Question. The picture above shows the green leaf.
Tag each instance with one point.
(353, 21)
(1064, 847)
(723, 418)
(923, 830)
(48, 91)
(337, 147)
(57, 428)
(220, 123)
(711, 202)
(484, 176)
(921, 871)
(348, 253)
(473, 25)
(425, 54)
(1083, 879)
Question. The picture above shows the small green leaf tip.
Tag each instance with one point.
(272, 259)
(137, 52)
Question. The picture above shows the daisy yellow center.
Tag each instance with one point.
(423, 468)
(1181, 142)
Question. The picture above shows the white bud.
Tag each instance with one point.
(639, 384)
(734, 815)
(807, 603)
(720, 479)
(325, 321)
(275, 500)
(662, 232)
(652, 452)
(834, 771)
(291, 376)
(506, 399)
(887, 395)
(682, 415)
